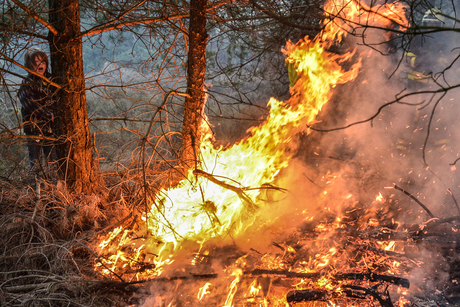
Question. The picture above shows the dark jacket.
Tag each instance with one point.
(36, 101)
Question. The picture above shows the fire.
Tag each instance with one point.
(220, 197)
(233, 287)
(204, 291)
(346, 16)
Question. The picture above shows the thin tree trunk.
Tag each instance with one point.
(194, 103)
(74, 151)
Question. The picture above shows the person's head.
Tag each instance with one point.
(433, 18)
(36, 59)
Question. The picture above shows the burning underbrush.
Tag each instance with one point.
(343, 250)
(348, 248)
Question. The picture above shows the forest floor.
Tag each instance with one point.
(49, 240)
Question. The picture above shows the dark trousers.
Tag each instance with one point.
(41, 150)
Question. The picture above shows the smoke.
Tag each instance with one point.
(411, 142)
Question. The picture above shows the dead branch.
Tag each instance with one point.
(123, 24)
(454, 199)
(416, 200)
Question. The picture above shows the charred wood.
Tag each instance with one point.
(361, 292)
(296, 296)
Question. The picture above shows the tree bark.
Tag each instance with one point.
(196, 99)
(74, 149)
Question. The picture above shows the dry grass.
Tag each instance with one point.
(46, 236)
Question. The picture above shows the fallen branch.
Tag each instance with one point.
(27, 288)
(399, 281)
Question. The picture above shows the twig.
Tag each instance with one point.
(416, 200)
(37, 203)
(36, 17)
(382, 251)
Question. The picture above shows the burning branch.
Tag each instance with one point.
(403, 282)
(230, 187)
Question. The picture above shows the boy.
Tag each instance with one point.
(36, 101)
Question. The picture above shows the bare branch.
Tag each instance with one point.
(35, 16)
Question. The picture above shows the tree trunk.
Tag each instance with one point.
(194, 103)
(74, 148)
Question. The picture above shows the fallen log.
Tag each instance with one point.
(296, 296)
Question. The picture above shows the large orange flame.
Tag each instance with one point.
(219, 198)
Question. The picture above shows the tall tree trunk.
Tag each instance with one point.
(194, 103)
(74, 150)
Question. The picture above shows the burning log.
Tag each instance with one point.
(296, 296)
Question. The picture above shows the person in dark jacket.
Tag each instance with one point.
(35, 95)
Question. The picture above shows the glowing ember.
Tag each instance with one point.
(380, 198)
